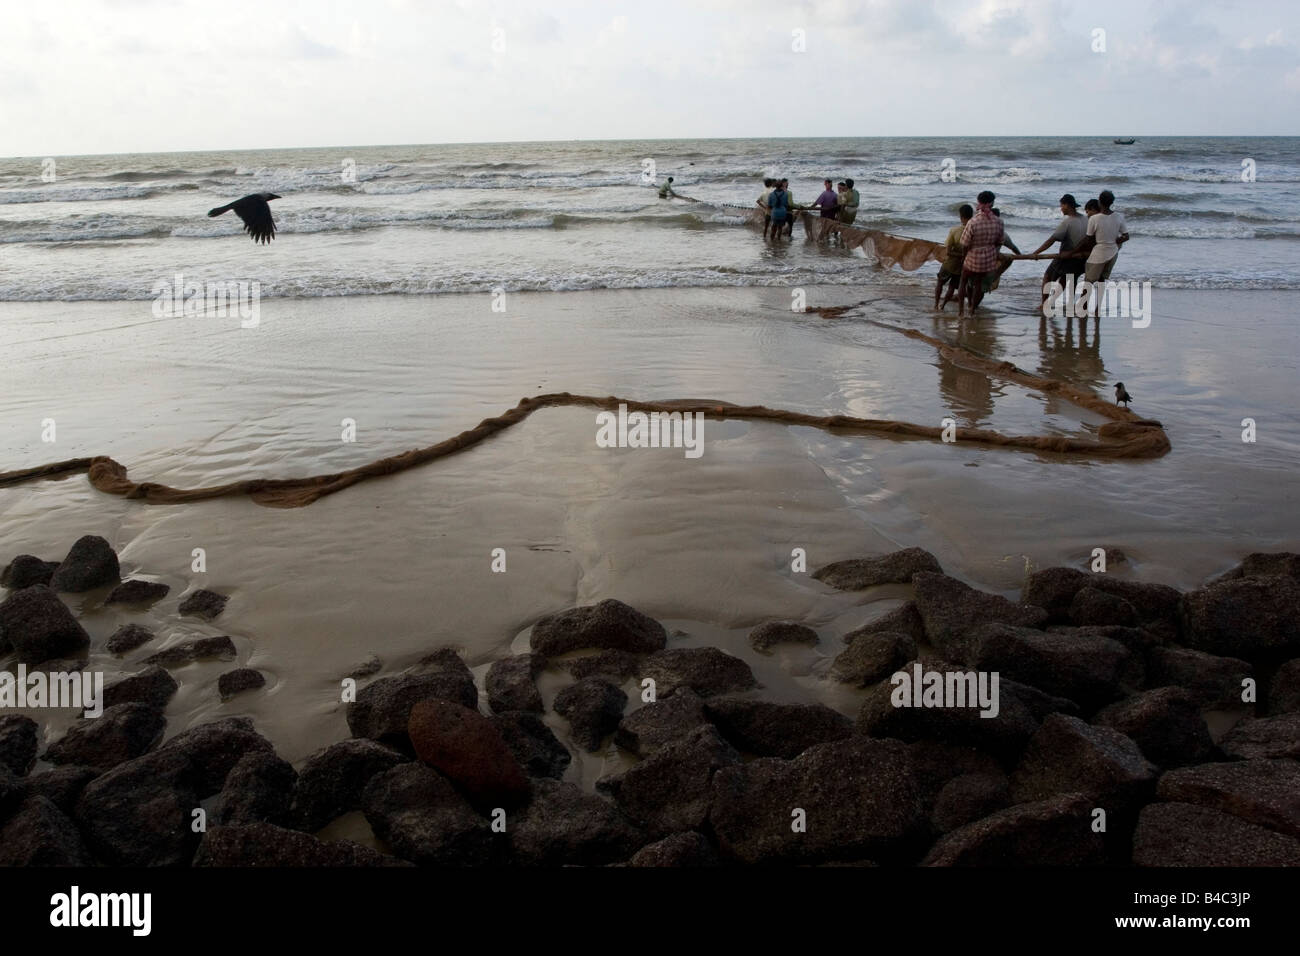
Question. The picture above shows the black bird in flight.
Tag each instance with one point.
(256, 215)
(1122, 395)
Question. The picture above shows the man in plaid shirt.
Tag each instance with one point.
(981, 238)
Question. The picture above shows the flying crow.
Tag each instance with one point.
(256, 215)
(1122, 395)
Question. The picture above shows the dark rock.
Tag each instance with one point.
(203, 604)
(1052, 832)
(1055, 589)
(873, 657)
(705, 670)
(62, 785)
(199, 649)
(1267, 737)
(1284, 689)
(534, 745)
(1139, 640)
(259, 789)
(564, 826)
(127, 638)
(617, 666)
(1039, 702)
(1257, 618)
(331, 782)
(422, 817)
(1264, 565)
(91, 563)
(610, 625)
(26, 570)
(1165, 723)
(153, 686)
(969, 797)
(905, 619)
(1095, 607)
(860, 797)
(897, 567)
(263, 844)
(776, 730)
(937, 764)
(140, 812)
(466, 747)
(593, 706)
(121, 733)
(951, 610)
(510, 685)
(18, 745)
(1182, 834)
(1069, 756)
(1263, 792)
(1213, 682)
(671, 791)
(213, 749)
(137, 592)
(382, 710)
(241, 679)
(370, 666)
(445, 660)
(1089, 670)
(40, 834)
(12, 791)
(681, 849)
(39, 626)
(766, 636)
(670, 717)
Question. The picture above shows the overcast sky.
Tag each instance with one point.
(106, 76)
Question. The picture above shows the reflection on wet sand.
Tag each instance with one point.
(1061, 357)
(969, 393)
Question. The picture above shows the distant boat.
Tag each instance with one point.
(1122, 141)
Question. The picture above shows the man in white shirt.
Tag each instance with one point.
(1108, 232)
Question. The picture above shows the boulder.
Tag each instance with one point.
(1284, 689)
(213, 749)
(905, 619)
(766, 636)
(140, 812)
(418, 813)
(1183, 834)
(122, 732)
(331, 782)
(1255, 618)
(1069, 756)
(40, 834)
(239, 680)
(670, 791)
(690, 848)
(61, 785)
(127, 638)
(898, 567)
(203, 604)
(510, 685)
(1266, 737)
(593, 706)
(26, 570)
(615, 666)
(90, 563)
(705, 670)
(18, 743)
(969, 797)
(1055, 589)
(1263, 792)
(467, 748)
(1053, 832)
(1212, 681)
(1165, 723)
(765, 729)
(382, 710)
(1264, 565)
(200, 649)
(873, 657)
(668, 718)
(39, 627)
(153, 686)
(137, 592)
(937, 764)
(563, 826)
(536, 748)
(610, 625)
(259, 789)
(951, 610)
(1097, 608)
(1089, 670)
(264, 844)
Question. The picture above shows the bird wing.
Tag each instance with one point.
(256, 214)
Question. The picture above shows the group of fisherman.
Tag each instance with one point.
(838, 201)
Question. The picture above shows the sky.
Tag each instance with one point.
(113, 76)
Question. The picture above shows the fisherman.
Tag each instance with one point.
(827, 202)
(666, 190)
(992, 280)
(849, 202)
(950, 271)
(1109, 232)
(778, 203)
(768, 185)
(1070, 233)
(981, 238)
(789, 197)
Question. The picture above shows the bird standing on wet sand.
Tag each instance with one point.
(1121, 395)
(256, 214)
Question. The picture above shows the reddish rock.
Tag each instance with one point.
(469, 749)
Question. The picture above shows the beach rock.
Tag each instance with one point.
(766, 729)
(510, 685)
(681, 849)
(951, 610)
(1091, 671)
(213, 749)
(444, 660)
(259, 789)
(1139, 640)
(127, 638)
(418, 813)
(26, 570)
(1213, 682)
(12, 791)
(905, 619)
(1165, 723)
(1256, 618)
(898, 567)
(873, 657)
(611, 625)
(1055, 589)
(936, 764)
(40, 834)
(593, 706)
(62, 786)
(969, 797)
(467, 748)
(1069, 756)
(90, 563)
(1182, 834)
(203, 604)
(669, 718)
(1052, 832)
(563, 826)
(199, 649)
(370, 666)
(1095, 607)
(1264, 565)
(1039, 702)
(39, 627)
(1284, 689)
(671, 791)
(139, 813)
(263, 844)
(121, 733)
(1263, 792)
(536, 748)
(1266, 737)
(331, 782)
(705, 670)
(18, 736)
(137, 592)
(766, 636)
(239, 680)
(382, 710)
(153, 686)
(616, 666)
(860, 799)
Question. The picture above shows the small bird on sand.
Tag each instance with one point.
(256, 215)
(1121, 395)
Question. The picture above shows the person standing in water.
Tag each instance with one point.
(981, 239)
(828, 203)
(950, 271)
(849, 201)
(1070, 233)
(1109, 232)
(768, 185)
(778, 202)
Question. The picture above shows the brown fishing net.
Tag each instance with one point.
(907, 254)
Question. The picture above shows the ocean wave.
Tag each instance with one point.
(57, 193)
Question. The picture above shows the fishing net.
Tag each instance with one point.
(907, 254)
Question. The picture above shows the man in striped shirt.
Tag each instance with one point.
(981, 239)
